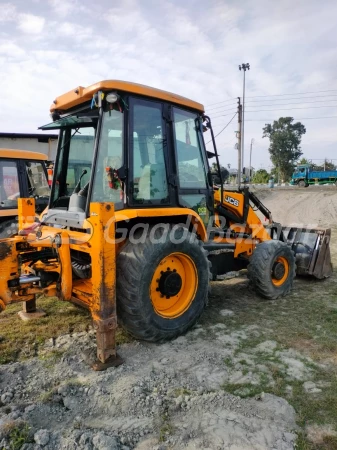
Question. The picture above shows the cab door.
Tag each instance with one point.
(148, 155)
(192, 167)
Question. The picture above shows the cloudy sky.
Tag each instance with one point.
(192, 48)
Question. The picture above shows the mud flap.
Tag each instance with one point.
(312, 250)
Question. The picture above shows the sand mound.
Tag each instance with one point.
(315, 206)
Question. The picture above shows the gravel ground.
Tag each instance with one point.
(169, 396)
(163, 396)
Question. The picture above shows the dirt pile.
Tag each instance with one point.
(312, 206)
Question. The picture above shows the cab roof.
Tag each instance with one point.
(81, 94)
(21, 154)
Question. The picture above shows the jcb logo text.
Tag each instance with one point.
(231, 200)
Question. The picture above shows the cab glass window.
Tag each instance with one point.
(37, 181)
(9, 184)
(149, 179)
(75, 159)
(107, 185)
(191, 168)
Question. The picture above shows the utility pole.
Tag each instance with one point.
(244, 67)
(250, 160)
(238, 135)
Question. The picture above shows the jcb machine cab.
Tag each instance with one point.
(142, 229)
(23, 174)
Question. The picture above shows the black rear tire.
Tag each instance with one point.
(136, 265)
(302, 183)
(261, 265)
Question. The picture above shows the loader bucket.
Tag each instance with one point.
(312, 250)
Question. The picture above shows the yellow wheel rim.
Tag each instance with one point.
(173, 285)
(278, 281)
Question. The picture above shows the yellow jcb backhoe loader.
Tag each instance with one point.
(141, 238)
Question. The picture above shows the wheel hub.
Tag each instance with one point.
(169, 283)
(278, 271)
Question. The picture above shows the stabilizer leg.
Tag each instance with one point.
(103, 308)
(30, 311)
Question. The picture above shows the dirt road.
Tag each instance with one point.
(213, 388)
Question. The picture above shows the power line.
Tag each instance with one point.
(219, 107)
(221, 115)
(282, 95)
(280, 104)
(298, 103)
(296, 98)
(223, 128)
(285, 104)
(297, 93)
(224, 101)
(291, 109)
(295, 118)
(222, 109)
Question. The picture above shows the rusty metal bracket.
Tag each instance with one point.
(113, 361)
(105, 335)
(105, 325)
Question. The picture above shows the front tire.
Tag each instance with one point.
(162, 284)
(302, 184)
(271, 269)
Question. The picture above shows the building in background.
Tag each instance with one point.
(42, 143)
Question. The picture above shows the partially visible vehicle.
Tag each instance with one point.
(304, 175)
(22, 175)
(147, 229)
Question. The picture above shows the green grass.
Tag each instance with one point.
(22, 340)
(18, 434)
(181, 391)
(302, 443)
(166, 428)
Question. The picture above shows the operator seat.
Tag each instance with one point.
(153, 181)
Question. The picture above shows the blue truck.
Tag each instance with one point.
(304, 175)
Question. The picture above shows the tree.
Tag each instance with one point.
(224, 173)
(327, 165)
(284, 148)
(261, 176)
